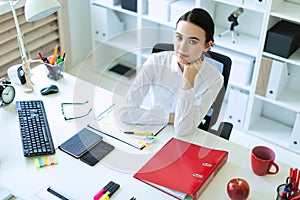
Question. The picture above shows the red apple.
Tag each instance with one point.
(238, 189)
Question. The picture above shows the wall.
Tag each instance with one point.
(80, 30)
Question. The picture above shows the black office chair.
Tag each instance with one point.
(225, 128)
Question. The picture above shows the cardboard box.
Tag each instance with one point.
(283, 39)
(178, 8)
(133, 4)
(160, 9)
(129, 5)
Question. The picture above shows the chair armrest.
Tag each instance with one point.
(224, 130)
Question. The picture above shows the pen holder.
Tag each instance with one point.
(55, 71)
(283, 194)
(280, 190)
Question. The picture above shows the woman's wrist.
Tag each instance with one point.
(171, 118)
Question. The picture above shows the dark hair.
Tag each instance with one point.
(201, 18)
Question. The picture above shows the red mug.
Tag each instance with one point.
(262, 161)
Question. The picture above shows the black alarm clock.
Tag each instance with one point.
(7, 93)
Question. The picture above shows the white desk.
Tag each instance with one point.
(77, 180)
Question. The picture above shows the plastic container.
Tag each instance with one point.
(55, 71)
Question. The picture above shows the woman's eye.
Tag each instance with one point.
(178, 38)
(193, 42)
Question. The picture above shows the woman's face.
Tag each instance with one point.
(189, 42)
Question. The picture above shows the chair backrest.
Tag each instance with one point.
(224, 66)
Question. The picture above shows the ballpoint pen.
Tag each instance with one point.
(56, 194)
(44, 59)
(139, 133)
(98, 117)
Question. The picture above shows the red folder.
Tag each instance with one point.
(182, 169)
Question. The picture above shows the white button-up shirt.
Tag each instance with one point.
(156, 92)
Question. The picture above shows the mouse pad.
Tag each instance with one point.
(97, 153)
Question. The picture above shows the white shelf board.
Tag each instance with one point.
(128, 41)
(272, 131)
(286, 10)
(152, 19)
(293, 59)
(239, 85)
(243, 43)
(117, 7)
(289, 99)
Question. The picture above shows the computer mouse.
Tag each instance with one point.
(52, 89)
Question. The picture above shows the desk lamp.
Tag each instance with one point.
(34, 10)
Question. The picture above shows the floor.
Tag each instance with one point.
(237, 136)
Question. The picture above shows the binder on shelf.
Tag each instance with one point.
(277, 80)
(263, 76)
(237, 106)
(182, 169)
(105, 23)
(295, 139)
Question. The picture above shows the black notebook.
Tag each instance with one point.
(80, 143)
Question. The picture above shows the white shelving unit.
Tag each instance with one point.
(263, 116)
(280, 124)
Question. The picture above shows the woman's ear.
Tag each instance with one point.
(208, 45)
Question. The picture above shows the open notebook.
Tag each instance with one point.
(111, 126)
(182, 169)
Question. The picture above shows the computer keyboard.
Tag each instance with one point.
(35, 133)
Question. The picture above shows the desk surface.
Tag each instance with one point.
(78, 180)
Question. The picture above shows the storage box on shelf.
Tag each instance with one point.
(283, 39)
(237, 104)
(180, 7)
(132, 5)
(129, 5)
(105, 23)
(160, 9)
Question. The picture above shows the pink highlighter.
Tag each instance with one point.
(103, 190)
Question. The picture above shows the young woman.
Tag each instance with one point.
(177, 86)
